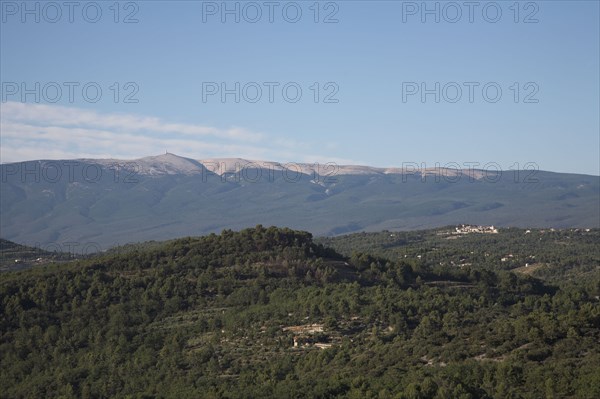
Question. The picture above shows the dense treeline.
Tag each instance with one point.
(211, 317)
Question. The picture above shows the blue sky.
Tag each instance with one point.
(368, 61)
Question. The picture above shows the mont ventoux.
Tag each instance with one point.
(108, 202)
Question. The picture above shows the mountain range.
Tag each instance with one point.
(99, 203)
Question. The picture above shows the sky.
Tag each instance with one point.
(378, 83)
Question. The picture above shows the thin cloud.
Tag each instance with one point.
(57, 115)
(39, 131)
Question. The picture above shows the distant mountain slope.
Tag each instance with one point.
(14, 256)
(101, 203)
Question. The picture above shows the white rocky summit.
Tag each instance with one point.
(171, 164)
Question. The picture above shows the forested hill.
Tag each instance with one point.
(14, 256)
(266, 312)
(554, 255)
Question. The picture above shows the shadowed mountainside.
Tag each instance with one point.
(111, 202)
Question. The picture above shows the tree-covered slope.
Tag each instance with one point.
(14, 256)
(266, 312)
(555, 255)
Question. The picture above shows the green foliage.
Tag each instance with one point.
(556, 256)
(211, 317)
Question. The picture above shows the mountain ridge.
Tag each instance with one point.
(113, 202)
(175, 164)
